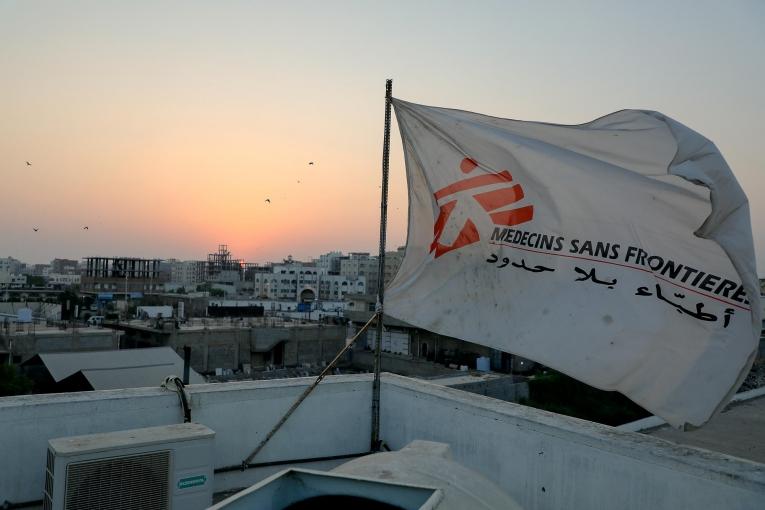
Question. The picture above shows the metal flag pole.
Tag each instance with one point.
(375, 447)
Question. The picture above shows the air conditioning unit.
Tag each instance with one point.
(156, 468)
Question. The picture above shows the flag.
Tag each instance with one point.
(618, 251)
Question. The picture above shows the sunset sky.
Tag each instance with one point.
(164, 126)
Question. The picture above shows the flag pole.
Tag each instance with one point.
(375, 446)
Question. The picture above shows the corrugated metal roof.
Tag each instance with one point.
(126, 368)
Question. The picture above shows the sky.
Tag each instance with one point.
(165, 125)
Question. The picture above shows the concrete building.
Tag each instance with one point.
(543, 461)
(360, 264)
(116, 275)
(407, 349)
(41, 270)
(65, 266)
(60, 281)
(11, 266)
(363, 264)
(232, 343)
(187, 273)
(393, 260)
(12, 280)
(11, 276)
(329, 263)
(304, 281)
(18, 343)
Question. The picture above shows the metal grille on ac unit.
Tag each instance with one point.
(156, 468)
(132, 481)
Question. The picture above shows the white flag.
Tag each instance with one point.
(618, 251)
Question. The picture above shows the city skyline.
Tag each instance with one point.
(309, 259)
(166, 129)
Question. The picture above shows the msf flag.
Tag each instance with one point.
(618, 251)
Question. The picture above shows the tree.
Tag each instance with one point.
(35, 281)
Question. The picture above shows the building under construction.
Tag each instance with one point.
(123, 274)
(222, 266)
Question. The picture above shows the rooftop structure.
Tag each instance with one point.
(737, 431)
(122, 274)
(107, 370)
(540, 459)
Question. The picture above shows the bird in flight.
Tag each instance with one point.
(298, 182)
(268, 200)
(35, 229)
(85, 227)
(310, 162)
(29, 164)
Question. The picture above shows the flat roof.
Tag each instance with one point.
(739, 430)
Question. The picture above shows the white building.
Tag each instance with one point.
(188, 273)
(329, 262)
(11, 265)
(62, 280)
(360, 264)
(299, 281)
(12, 281)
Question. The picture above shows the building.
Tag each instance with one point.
(41, 270)
(12, 281)
(542, 460)
(221, 266)
(393, 260)
(64, 266)
(188, 273)
(60, 281)
(123, 274)
(11, 266)
(407, 346)
(293, 280)
(11, 276)
(361, 264)
(329, 263)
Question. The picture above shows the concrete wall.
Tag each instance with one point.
(50, 311)
(403, 365)
(71, 340)
(230, 347)
(580, 465)
(548, 461)
(313, 345)
(502, 388)
(331, 422)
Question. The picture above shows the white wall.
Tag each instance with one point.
(334, 420)
(580, 464)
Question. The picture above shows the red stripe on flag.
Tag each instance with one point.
(474, 182)
(499, 198)
(468, 235)
(513, 216)
(443, 215)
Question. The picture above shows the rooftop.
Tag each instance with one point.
(739, 430)
(542, 460)
(111, 370)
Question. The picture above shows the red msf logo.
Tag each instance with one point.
(496, 198)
